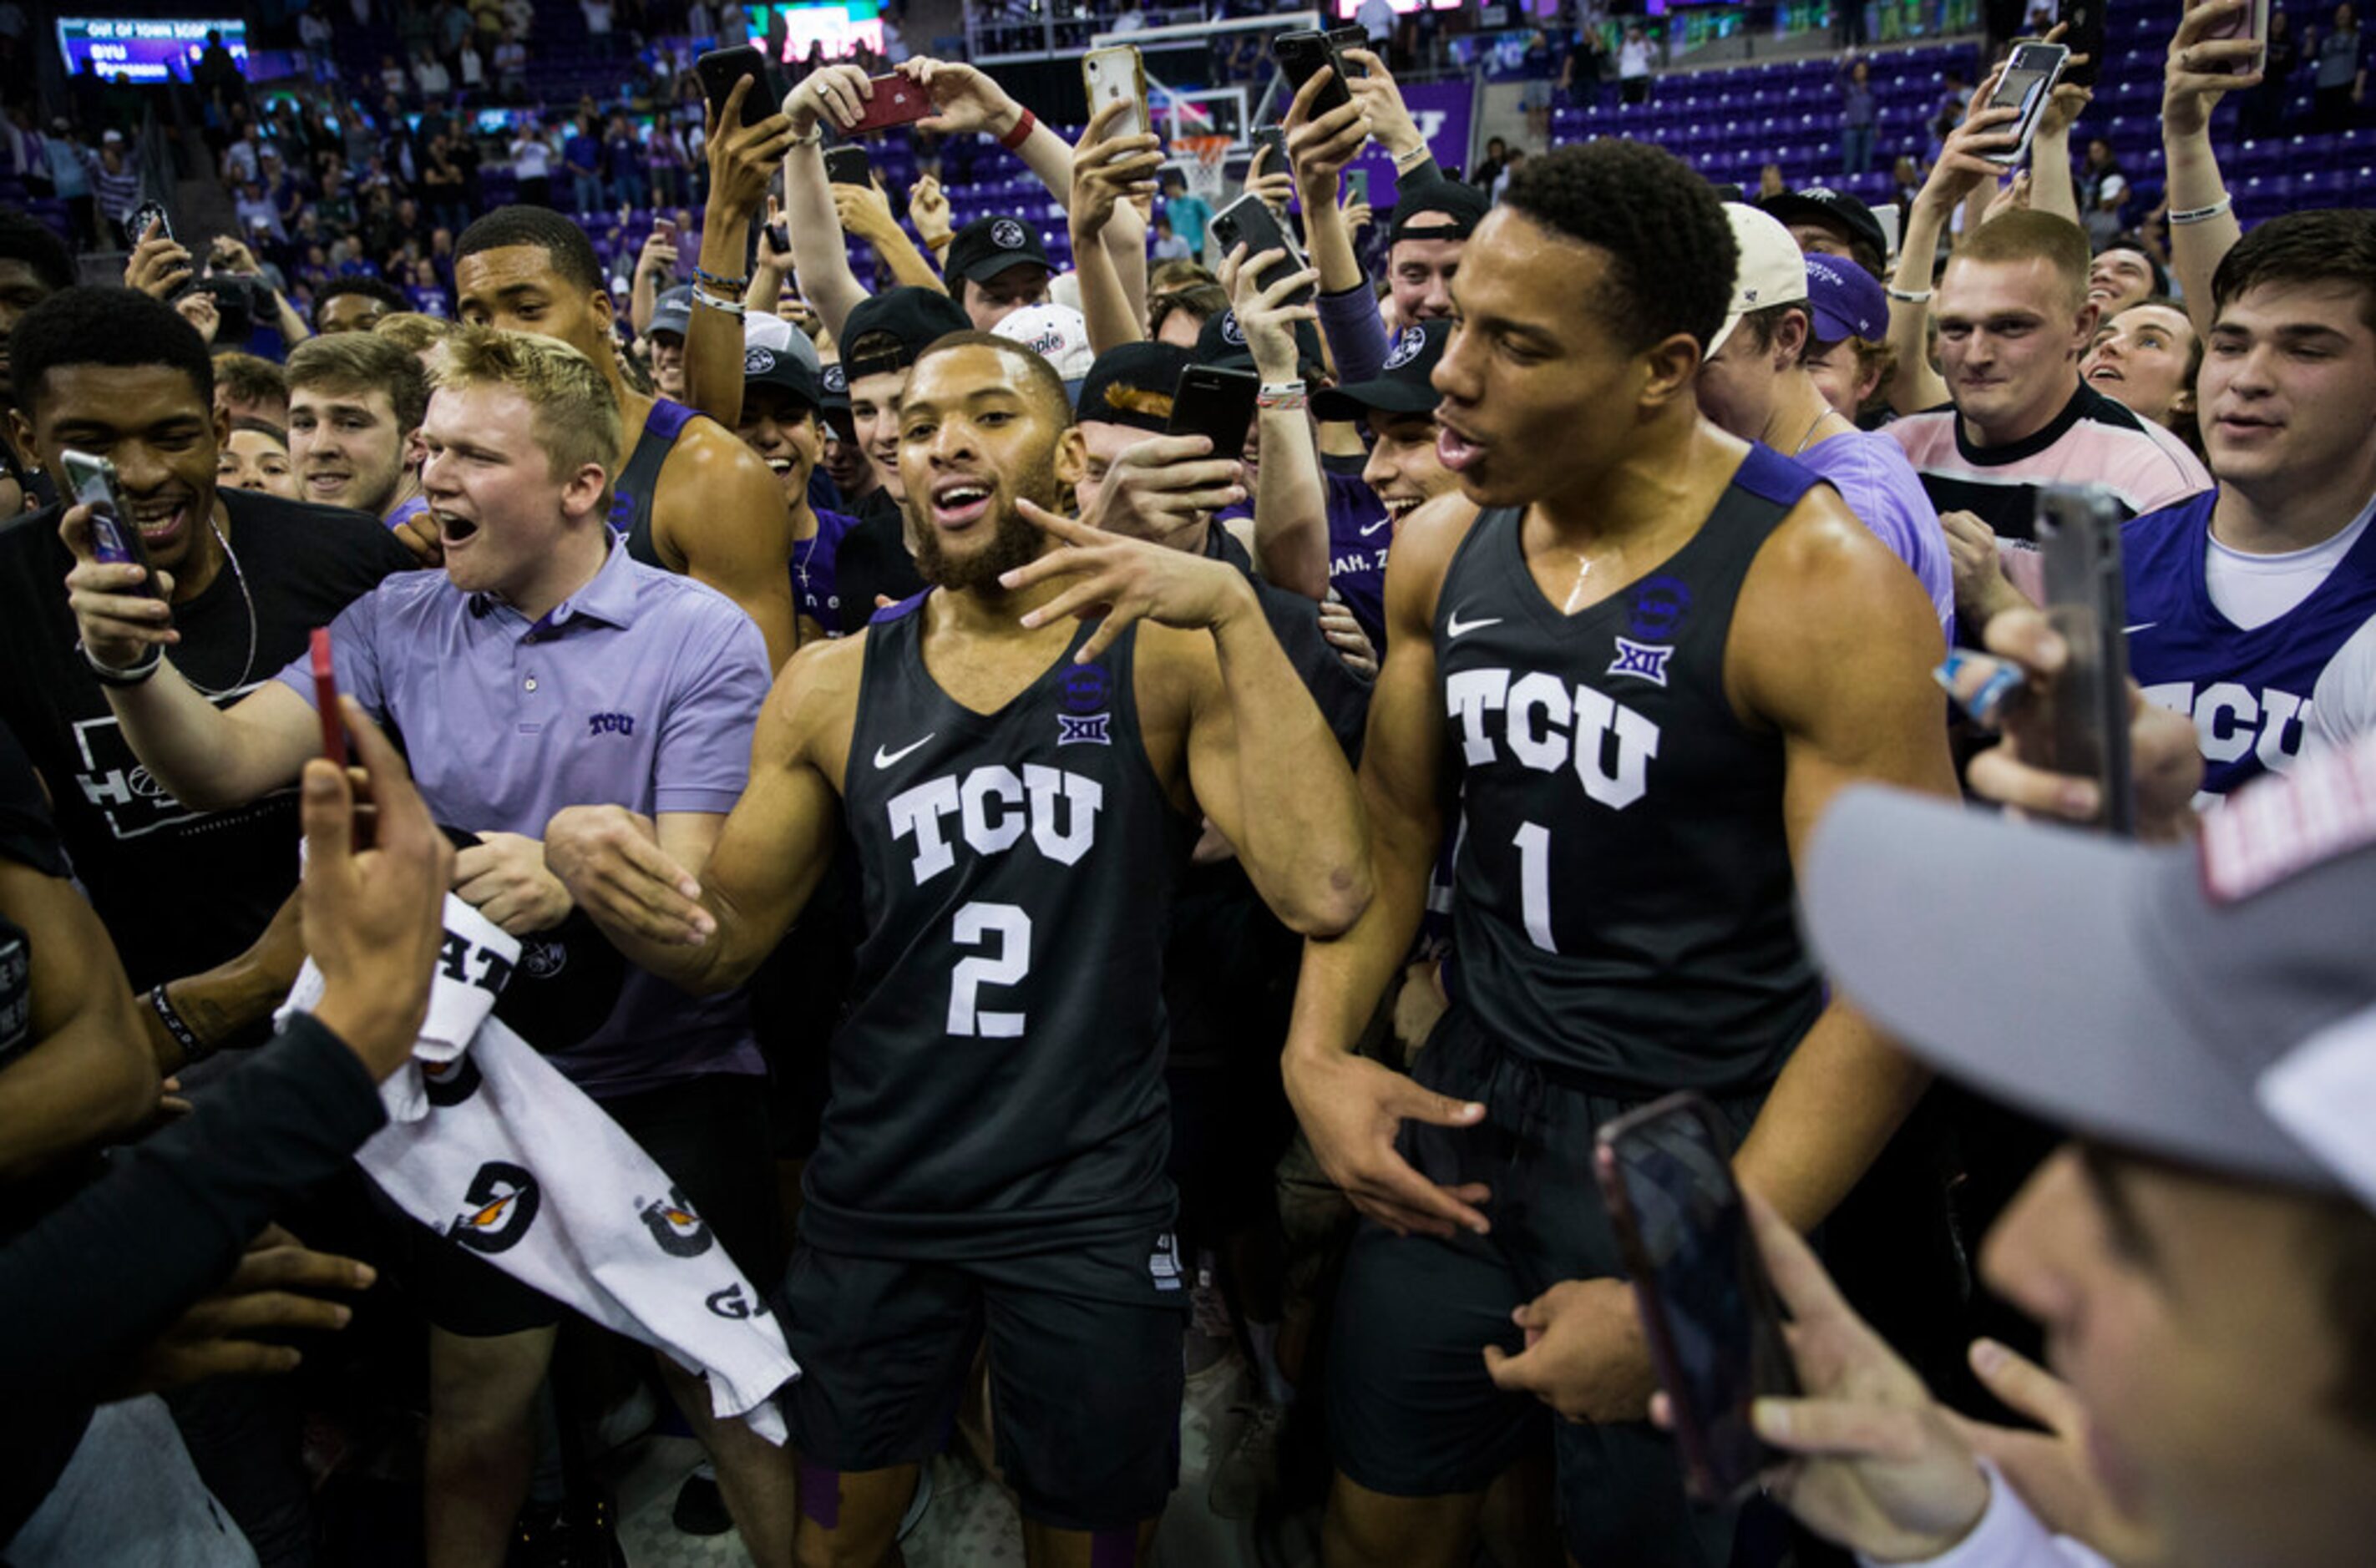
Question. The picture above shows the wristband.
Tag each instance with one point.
(1281, 395)
(1407, 161)
(1909, 296)
(1013, 140)
(734, 308)
(131, 675)
(2204, 214)
(726, 285)
(194, 1050)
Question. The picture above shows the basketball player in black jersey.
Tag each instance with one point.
(1632, 659)
(1019, 788)
(692, 497)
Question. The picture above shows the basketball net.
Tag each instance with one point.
(1201, 163)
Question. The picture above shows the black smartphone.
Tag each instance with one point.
(2027, 84)
(1217, 404)
(1350, 37)
(114, 538)
(1250, 221)
(1301, 53)
(1708, 1311)
(718, 71)
(2079, 546)
(1274, 138)
(848, 166)
(136, 221)
(2083, 21)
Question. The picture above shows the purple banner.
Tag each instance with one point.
(1441, 110)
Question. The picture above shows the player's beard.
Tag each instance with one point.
(1016, 541)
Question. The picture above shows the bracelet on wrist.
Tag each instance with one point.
(194, 1050)
(734, 308)
(1404, 161)
(1014, 139)
(1907, 296)
(724, 285)
(129, 675)
(1281, 394)
(2204, 214)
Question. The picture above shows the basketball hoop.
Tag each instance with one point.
(1200, 160)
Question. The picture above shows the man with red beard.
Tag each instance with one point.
(1021, 754)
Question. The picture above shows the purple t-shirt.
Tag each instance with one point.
(814, 584)
(1360, 533)
(1873, 475)
(641, 690)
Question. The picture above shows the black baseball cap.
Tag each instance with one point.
(917, 317)
(783, 369)
(1401, 386)
(1221, 342)
(1821, 203)
(1452, 211)
(988, 246)
(1133, 384)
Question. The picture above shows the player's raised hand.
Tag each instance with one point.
(610, 859)
(1124, 580)
(1158, 487)
(1351, 1109)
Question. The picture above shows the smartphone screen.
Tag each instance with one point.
(326, 696)
(2028, 77)
(1712, 1323)
(2079, 541)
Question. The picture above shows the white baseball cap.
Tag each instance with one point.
(1771, 270)
(1058, 333)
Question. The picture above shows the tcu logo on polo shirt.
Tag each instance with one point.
(1007, 235)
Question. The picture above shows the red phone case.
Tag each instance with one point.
(896, 102)
(325, 697)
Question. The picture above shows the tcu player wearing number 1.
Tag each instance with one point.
(1640, 656)
(1019, 792)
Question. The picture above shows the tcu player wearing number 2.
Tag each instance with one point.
(1640, 657)
(1019, 788)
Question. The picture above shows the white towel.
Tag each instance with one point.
(493, 1146)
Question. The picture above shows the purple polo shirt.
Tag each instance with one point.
(1873, 475)
(642, 690)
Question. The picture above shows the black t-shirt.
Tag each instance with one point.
(178, 890)
(872, 559)
(27, 837)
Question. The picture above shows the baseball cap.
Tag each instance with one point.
(1771, 270)
(1401, 386)
(1452, 211)
(673, 312)
(111, 136)
(782, 368)
(988, 246)
(1222, 342)
(775, 332)
(1821, 203)
(1845, 300)
(917, 317)
(1133, 384)
(2213, 1003)
(1058, 333)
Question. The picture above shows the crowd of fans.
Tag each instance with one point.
(890, 853)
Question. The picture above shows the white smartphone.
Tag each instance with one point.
(1118, 72)
(2027, 85)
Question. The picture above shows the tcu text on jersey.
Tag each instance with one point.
(2231, 719)
(995, 807)
(1547, 725)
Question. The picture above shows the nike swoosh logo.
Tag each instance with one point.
(885, 758)
(2140, 626)
(1454, 626)
(1373, 528)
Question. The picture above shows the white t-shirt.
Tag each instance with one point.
(598, 15)
(474, 70)
(1634, 58)
(2253, 590)
(532, 159)
(2343, 703)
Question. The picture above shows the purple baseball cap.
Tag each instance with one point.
(1846, 300)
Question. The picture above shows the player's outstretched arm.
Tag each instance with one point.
(1834, 645)
(1351, 1107)
(707, 933)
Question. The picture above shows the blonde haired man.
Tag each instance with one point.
(544, 668)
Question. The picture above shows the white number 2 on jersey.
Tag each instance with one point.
(975, 926)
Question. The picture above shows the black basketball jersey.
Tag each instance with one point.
(998, 1085)
(1622, 887)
